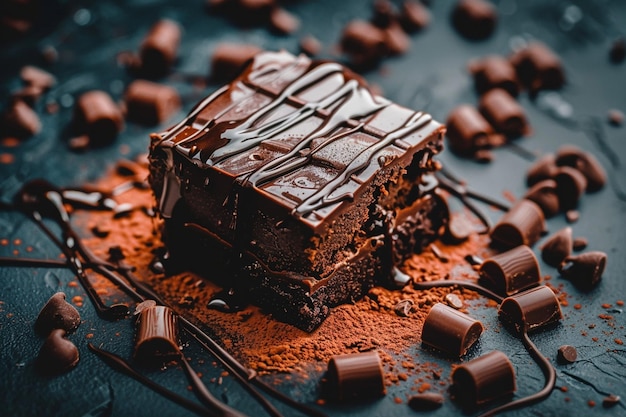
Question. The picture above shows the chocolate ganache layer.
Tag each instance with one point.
(295, 180)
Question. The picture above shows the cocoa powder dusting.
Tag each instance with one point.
(270, 346)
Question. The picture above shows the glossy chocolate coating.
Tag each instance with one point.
(157, 335)
(557, 247)
(160, 47)
(566, 354)
(494, 71)
(474, 19)
(542, 169)
(584, 270)
(484, 379)
(468, 130)
(512, 271)
(585, 162)
(97, 116)
(449, 330)
(57, 314)
(538, 67)
(357, 376)
(523, 224)
(504, 113)
(150, 103)
(57, 354)
(531, 310)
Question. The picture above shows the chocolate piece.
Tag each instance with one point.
(160, 47)
(615, 117)
(544, 168)
(283, 22)
(20, 120)
(357, 376)
(484, 156)
(57, 314)
(611, 400)
(484, 379)
(494, 71)
(383, 13)
(97, 116)
(579, 243)
(545, 195)
(585, 162)
(538, 68)
(397, 42)
(474, 19)
(454, 301)
(618, 51)
(570, 186)
(157, 335)
(566, 354)
(531, 310)
(150, 103)
(572, 216)
(504, 113)
(403, 307)
(36, 77)
(523, 224)
(414, 16)
(584, 270)
(310, 45)
(427, 401)
(450, 331)
(364, 43)
(468, 130)
(512, 271)
(315, 185)
(229, 59)
(57, 354)
(557, 247)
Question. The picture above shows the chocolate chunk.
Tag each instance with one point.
(57, 354)
(557, 247)
(523, 224)
(611, 400)
(531, 310)
(97, 116)
(383, 13)
(20, 120)
(615, 117)
(542, 169)
(157, 335)
(545, 195)
(414, 16)
(618, 51)
(450, 331)
(310, 45)
(150, 103)
(57, 314)
(364, 43)
(570, 186)
(468, 130)
(494, 71)
(454, 301)
(160, 47)
(504, 113)
(585, 162)
(354, 377)
(283, 22)
(397, 42)
(512, 271)
(566, 354)
(538, 68)
(484, 379)
(474, 19)
(229, 59)
(584, 270)
(579, 243)
(36, 77)
(426, 401)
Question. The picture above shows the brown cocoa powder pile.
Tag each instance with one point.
(270, 346)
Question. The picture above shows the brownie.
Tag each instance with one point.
(299, 183)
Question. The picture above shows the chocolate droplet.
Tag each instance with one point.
(57, 314)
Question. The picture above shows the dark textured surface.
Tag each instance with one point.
(431, 76)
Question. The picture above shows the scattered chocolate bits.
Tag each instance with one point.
(98, 117)
(57, 355)
(494, 71)
(566, 354)
(157, 335)
(354, 377)
(57, 313)
(474, 19)
(557, 247)
(584, 270)
(531, 310)
(523, 224)
(159, 48)
(538, 67)
(504, 113)
(426, 401)
(450, 331)
(150, 103)
(512, 271)
(228, 60)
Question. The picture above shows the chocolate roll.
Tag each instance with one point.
(356, 376)
(57, 314)
(467, 130)
(229, 59)
(504, 113)
(150, 103)
(545, 195)
(363, 42)
(484, 379)
(585, 162)
(157, 335)
(20, 120)
(474, 19)
(160, 47)
(494, 71)
(531, 310)
(450, 331)
(570, 186)
(557, 247)
(538, 67)
(97, 116)
(584, 270)
(57, 354)
(523, 224)
(414, 16)
(542, 169)
(512, 271)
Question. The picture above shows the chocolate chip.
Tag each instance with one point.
(160, 47)
(229, 59)
(523, 224)
(544, 194)
(57, 355)
(494, 71)
(538, 67)
(414, 16)
(150, 103)
(504, 113)
(57, 313)
(357, 376)
(474, 19)
(512, 271)
(567, 354)
(427, 401)
(97, 116)
(584, 270)
(572, 216)
(557, 247)
(450, 331)
(531, 310)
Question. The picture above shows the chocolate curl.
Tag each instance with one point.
(557, 247)
(523, 224)
(449, 330)
(544, 168)
(357, 376)
(584, 270)
(531, 310)
(57, 314)
(544, 194)
(538, 67)
(160, 47)
(157, 335)
(570, 186)
(585, 162)
(494, 71)
(97, 116)
(484, 379)
(504, 113)
(57, 355)
(512, 271)
(467, 130)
